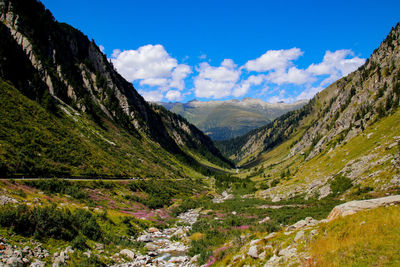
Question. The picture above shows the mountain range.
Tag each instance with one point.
(318, 185)
(67, 112)
(222, 120)
(349, 129)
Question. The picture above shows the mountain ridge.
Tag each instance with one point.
(67, 73)
(230, 118)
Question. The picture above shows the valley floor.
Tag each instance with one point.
(94, 223)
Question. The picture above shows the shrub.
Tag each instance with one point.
(86, 222)
(49, 221)
(340, 184)
(79, 242)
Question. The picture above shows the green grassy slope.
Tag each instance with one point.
(35, 142)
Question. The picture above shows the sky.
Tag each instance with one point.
(180, 50)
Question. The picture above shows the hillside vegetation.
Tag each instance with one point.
(222, 120)
(350, 130)
(78, 116)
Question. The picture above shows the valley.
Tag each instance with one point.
(222, 120)
(94, 175)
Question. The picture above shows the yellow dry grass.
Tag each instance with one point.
(369, 238)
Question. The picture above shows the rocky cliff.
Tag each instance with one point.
(335, 115)
(57, 66)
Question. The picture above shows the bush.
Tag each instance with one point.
(79, 243)
(50, 222)
(87, 224)
(40, 222)
(340, 184)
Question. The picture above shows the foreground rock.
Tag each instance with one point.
(359, 205)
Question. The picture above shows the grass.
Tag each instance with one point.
(368, 238)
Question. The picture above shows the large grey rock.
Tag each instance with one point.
(37, 263)
(128, 253)
(253, 252)
(14, 262)
(358, 205)
(288, 252)
(6, 199)
(299, 235)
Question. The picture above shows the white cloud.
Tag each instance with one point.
(244, 86)
(178, 76)
(173, 95)
(216, 82)
(293, 76)
(101, 48)
(336, 65)
(273, 59)
(151, 65)
(147, 62)
(152, 96)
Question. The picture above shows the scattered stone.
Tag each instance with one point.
(128, 253)
(99, 246)
(253, 252)
(270, 235)
(255, 241)
(224, 196)
(153, 230)
(324, 191)
(37, 263)
(6, 200)
(266, 219)
(276, 199)
(288, 252)
(395, 180)
(144, 238)
(299, 235)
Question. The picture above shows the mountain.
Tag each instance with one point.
(65, 111)
(222, 120)
(346, 136)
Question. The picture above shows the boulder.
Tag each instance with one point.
(153, 230)
(358, 205)
(253, 252)
(276, 199)
(6, 199)
(37, 263)
(128, 253)
(14, 262)
(266, 219)
(299, 235)
(144, 238)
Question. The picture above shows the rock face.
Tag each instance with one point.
(334, 116)
(359, 205)
(45, 59)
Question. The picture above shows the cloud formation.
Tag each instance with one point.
(216, 82)
(151, 65)
(162, 77)
(273, 60)
(336, 64)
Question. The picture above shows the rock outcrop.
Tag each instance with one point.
(355, 206)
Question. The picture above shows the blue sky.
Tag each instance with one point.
(273, 50)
